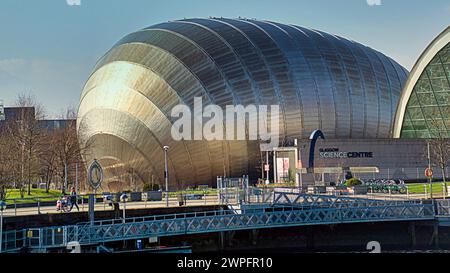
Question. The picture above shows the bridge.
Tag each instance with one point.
(282, 209)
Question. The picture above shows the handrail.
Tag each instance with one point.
(230, 212)
(186, 222)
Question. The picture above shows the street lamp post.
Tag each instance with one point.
(2, 207)
(429, 168)
(124, 198)
(267, 169)
(301, 166)
(166, 174)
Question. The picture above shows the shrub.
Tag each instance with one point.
(291, 176)
(150, 187)
(353, 182)
(147, 187)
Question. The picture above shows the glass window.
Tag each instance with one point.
(429, 105)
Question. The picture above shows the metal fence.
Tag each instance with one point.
(214, 221)
(45, 205)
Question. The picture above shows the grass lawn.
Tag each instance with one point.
(277, 185)
(420, 189)
(52, 195)
(208, 192)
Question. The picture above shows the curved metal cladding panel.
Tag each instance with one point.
(424, 108)
(320, 81)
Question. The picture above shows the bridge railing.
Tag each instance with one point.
(443, 207)
(211, 221)
(156, 218)
(316, 200)
(13, 240)
(270, 217)
(44, 205)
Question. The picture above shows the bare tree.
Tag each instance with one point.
(7, 162)
(67, 148)
(27, 136)
(439, 146)
(30, 151)
(48, 160)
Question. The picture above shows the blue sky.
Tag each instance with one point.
(48, 48)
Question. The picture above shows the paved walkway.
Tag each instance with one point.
(210, 200)
(173, 202)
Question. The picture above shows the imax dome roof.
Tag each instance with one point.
(319, 80)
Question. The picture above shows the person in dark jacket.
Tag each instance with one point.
(73, 199)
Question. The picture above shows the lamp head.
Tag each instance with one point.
(124, 197)
(166, 148)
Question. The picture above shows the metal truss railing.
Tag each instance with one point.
(315, 201)
(14, 240)
(443, 208)
(216, 221)
(269, 218)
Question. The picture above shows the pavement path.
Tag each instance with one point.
(210, 200)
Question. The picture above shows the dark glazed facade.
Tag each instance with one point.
(424, 108)
(320, 81)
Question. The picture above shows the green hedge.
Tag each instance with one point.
(150, 187)
(353, 182)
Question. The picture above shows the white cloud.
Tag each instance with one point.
(374, 2)
(73, 2)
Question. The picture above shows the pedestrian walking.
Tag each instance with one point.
(73, 199)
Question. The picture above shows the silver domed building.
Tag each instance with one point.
(319, 80)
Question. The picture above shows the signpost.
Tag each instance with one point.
(429, 171)
(95, 175)
(95, 178)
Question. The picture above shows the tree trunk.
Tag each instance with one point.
(48, 180)
(443, 175)
(29, 175)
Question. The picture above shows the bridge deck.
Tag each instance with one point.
(285, 210)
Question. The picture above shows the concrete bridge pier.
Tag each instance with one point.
(230, 238)
(435, 236)
(310, 238)
(412, 232)
(221, 240)
(226, 239)
(254, 236)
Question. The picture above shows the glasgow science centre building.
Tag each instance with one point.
(371, 110)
